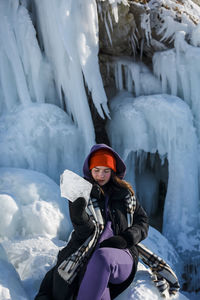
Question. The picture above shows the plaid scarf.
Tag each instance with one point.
(163, 276)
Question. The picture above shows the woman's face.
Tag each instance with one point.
(101, 174)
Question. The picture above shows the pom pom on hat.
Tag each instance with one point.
(103, 158)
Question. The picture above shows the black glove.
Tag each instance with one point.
(96, 192)
(77, 211)
(116, 241)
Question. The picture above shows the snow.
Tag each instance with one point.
(37, 224)
(33, 237)
(35, 203)
(32, 258)
(38, 227)
(11, 286)
(143, 288)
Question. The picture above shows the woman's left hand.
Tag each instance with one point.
(116, 241)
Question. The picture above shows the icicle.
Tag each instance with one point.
(172, 75)
(134, 43)
(135, 72)
(126, 74)
(100, 10)
(184, 83)
(108, 69)
(164, 64)
(116, 75)
(110, 20)
(170, 27)
(115, 12)
(107, 29)
(129, 81)
(141, 48)
(145, 25)
(195, 36)
(15, 62)
(120, 76)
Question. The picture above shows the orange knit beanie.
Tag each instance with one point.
(103, 158)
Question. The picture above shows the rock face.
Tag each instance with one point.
(196, 1)
(115, 34)
(143, 19)
(139, 29)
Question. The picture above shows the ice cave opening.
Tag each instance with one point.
(151, 181)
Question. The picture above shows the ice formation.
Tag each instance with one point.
(71, 46)
(41, 137)
(22, 79)
(163, 124)
(71, 49)
(134, 77)
(174, 16)
(179, 70)
(73, 186)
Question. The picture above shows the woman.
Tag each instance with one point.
(106, 268)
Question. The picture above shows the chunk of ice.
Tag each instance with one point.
(73, 186)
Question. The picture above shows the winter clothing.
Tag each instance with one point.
(121, 233)
(78, 212)
(120, 166)
(96, 192)
(106, 265)
(104, 158)
(116, 214)
(116, 241)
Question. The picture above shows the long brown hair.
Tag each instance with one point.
(122, 183)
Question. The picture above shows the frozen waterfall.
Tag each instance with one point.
(162, 124)
(49, 79)
(179, 71)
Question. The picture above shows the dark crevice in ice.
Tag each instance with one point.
(151, 179)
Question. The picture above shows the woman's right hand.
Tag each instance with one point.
(81, 221)
(77, 211)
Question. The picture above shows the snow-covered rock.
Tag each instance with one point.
(32, 258)
(10, 284)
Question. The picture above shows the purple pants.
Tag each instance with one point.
(106, 265)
